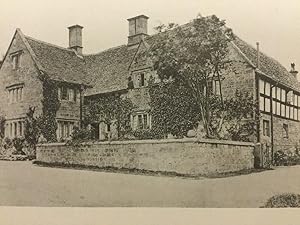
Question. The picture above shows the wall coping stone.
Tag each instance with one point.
(152, 141)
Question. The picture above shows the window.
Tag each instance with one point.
(142, 80)
(64, 93)
(141, 121)
(65, 129)
(14, 129)
(72, 95)
(15, 94)
(68, 94)
(16, 61)
(286, 130)
(284, 103)
(266, 128)
(214, 87)
(261, 86)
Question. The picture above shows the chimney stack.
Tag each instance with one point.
(138, 29)
(293, 71)
(75, 38)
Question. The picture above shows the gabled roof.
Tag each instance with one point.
(59, 63)
(109, 70)
(268, 66)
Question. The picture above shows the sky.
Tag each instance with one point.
(273, 23)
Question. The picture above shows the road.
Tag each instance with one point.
(25, 184)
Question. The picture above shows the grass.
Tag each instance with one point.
(287, 200)
(145, 172)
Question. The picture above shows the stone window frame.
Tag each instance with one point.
(16, 59)
(65, 128)
(266, 128)
(14, 128)
(15, 93)
(66, 95)
(146, 120)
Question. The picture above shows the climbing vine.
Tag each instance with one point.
(174, 110)
(110, 109)
(51, 104)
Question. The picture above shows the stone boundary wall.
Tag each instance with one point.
(182, 156)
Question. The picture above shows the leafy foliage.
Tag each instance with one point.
(18, 143)
(32, 128)
(193, 55)
(237, 120)
(286, 158)
(174, 110)
(110, 109)
(286, 200)
(2, 126)
(51, 104)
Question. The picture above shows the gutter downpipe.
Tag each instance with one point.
(272, 127)
(80, 94)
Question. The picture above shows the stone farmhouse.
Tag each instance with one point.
(83, 76)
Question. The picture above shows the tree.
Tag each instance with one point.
(194, 55)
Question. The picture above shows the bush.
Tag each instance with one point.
(18, 144)
(80, 135)
(145, 134)
(287, 200)
(286, 158)
(7, 143)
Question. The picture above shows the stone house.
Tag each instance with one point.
(87, 76)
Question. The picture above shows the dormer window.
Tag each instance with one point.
(15, 57)
(140, 80)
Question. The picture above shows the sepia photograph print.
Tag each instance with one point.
(186, 104)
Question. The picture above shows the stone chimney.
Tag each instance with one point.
(75, 38)
(138, 29)
(293, 71)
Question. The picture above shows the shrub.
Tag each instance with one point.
(286, 158)
(80, 135)
(145, 134)
(7, 143)
(18, 144)
(287, 200)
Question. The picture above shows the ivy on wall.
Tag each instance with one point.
(111, 109)
(50, 106)
(173, 109)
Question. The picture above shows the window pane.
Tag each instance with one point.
(278, 109)
(261, 86)
(274, 92)
(291, 112)
(145, 121)
(295, 114)
(282, 110)
(274, 107)
(283, 95)
(267, 105)
(267, 89)
(287, 110)
(262, 103)
(64, 93)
